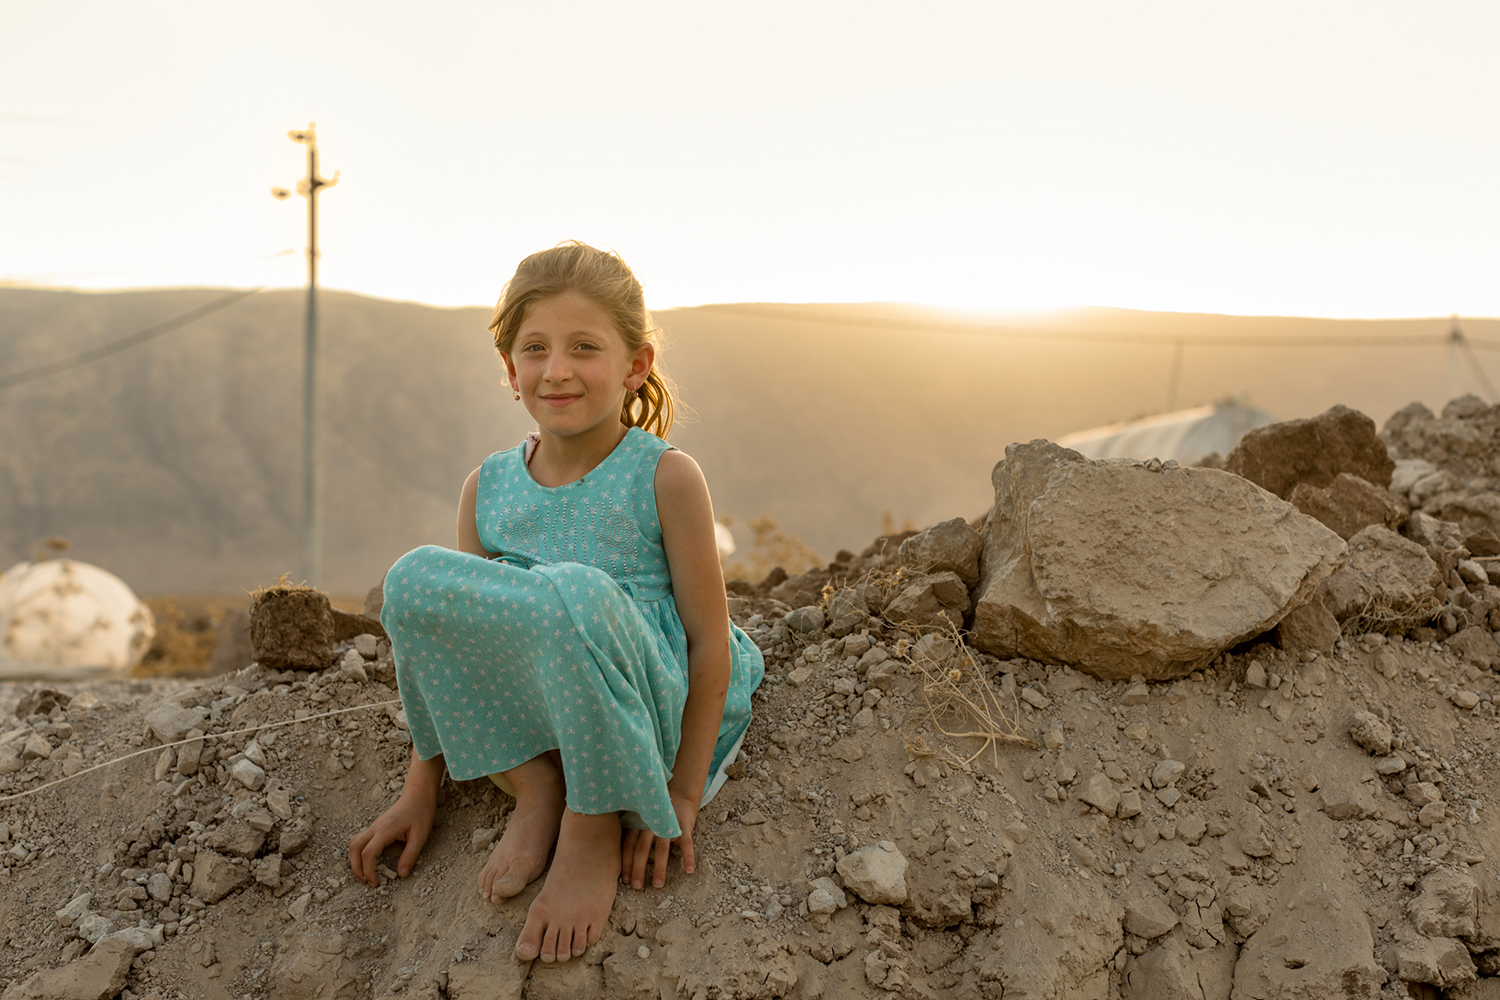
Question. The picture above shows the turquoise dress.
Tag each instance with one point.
(568, 640)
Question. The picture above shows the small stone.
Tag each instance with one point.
(1168, 796)
(1130, 804)
(643, 952)
(883, 674)
(876, 874)
(248, 774)
(255, 754)
(808, 619)
(1167, 772)
(298, 909)
(215, 877)
(1148, 915)
(1387, 766)
(159, 887)
(1465, 699)
(77, 907)
(267, 870)
(1432, 812)
(799, 676)
(279, 801)
(1053, 739)
(1136, 731)
(171, 723)
(1191, 828)
(1101, 793)
(482, 838)
(366, 645)
(1387, 662)
(1255, 676)
(36, 747)
(260, 819)
(1421, 793)
(753, 818)
(1370, 732)
(1136, 694)
(1034, 698)
(189, 754)
(352, 667)
(92, 927)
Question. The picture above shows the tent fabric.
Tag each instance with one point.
(60, 613)
(1187, 436)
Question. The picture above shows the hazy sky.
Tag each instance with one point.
(1320, 158)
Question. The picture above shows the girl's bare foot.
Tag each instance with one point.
(570, 912)
(530, 831)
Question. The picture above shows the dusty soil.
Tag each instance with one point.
(1276, 860)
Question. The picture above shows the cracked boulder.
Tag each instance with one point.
(1122, 568)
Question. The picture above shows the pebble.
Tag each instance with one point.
(1465, 699)
(248, 774)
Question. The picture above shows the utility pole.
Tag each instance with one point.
(312, 506)
(1455, 341)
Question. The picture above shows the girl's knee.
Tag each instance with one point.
(413, 577)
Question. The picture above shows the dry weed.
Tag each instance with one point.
(958, 693)
(1381, 615)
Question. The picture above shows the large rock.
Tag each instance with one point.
(1447, 905)
(1465, 441)
(1312, 451)
(1348, 504)
(876, 874)
(1316, 942)
(1384, 573)
(99, 975)
(952, 547)
(1476, 512)
(1120, 570)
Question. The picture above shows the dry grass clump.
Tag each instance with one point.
(1384, 616)
(961, 700)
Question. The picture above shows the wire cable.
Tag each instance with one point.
(1473, 360)
(197, 739)
(1098, 336)
(125, 343)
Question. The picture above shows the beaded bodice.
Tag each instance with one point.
(607, 519)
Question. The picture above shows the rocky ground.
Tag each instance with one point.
(1309, 813)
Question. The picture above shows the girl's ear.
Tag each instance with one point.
(640, 366)
(510, 369)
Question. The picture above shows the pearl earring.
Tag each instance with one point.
(518, 395)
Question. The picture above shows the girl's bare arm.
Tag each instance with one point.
(468, 528)
(687, 525)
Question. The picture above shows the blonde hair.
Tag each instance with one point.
(609, 283)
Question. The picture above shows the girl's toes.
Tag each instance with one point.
(528, 945)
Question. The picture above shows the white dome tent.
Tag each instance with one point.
(1188, 436)
(60, 617)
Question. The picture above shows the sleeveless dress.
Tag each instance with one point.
(568, 640)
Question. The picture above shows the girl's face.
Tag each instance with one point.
(571, 366)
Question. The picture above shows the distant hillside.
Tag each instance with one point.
(176, 464)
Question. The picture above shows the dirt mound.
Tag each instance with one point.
(1283, 822)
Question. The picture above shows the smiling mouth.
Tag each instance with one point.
(558, 400)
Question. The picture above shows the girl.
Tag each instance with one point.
(576, 648)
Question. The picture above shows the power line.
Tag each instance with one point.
(1100, 336)
(125, 343)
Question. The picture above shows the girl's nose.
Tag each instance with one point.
(558, 368)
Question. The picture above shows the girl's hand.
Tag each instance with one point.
(409, 820)
(638, 846)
